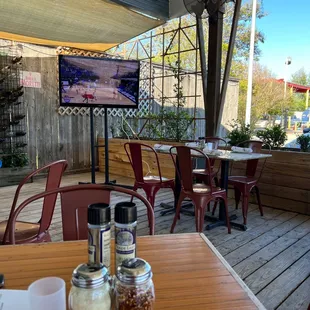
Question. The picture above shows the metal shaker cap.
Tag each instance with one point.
(134, 271)
(99, 214)
(125, 212)
(90, 276)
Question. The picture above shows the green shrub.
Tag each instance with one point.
(239, 133)
(15, 160)
(169, 125)
(304, 142)
(274, 136)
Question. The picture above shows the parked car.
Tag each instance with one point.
(305, 116)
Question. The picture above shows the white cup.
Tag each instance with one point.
(47, 294)
(210, 146)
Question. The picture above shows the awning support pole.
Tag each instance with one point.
(203, 64)
(214, 69)
(229, 57)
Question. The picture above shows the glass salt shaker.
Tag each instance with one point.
(201, 143)
(90, 288)
(134, 288)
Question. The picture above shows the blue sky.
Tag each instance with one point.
(287, 32)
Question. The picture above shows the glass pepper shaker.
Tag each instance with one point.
(134, 288)
(125, 216)
(90, 288)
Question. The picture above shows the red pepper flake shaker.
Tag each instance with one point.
(134, 288)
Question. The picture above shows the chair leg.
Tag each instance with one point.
(245, 205)
(153, 196)
(227, 216)
(214, 207)
(237, 197)
(259, 200)
(150, 195)
(198, 218)
(135, 188)
(202, 219)
(177, 213)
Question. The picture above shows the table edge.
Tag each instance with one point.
(251, 295)
(220, 157)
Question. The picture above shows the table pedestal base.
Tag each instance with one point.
(187, 205)
(217, 223)
(170, 209)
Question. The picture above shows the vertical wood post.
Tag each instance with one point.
(203, 65)
(229, 57)
(214, 69)
(307, 99)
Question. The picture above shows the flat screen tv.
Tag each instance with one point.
(98, 82)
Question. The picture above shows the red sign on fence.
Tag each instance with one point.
(30, 79)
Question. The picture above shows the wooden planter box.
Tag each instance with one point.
(12, 176)
(119, 163)
(285, 182)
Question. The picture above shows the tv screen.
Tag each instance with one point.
(98, 82)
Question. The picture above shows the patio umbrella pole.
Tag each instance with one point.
(106, 151)
(92, 146)
(106, 146)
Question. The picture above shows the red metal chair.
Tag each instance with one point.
(74, 202)
(247, 183)
(200, 194)
(150, 184)
(201, 175)
(36, 232)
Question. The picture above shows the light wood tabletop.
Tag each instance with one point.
(189, 273)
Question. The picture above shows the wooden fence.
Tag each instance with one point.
(50, 135)
(285, 181)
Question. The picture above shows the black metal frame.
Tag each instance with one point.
(12, 107)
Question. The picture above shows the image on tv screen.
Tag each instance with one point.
(85, 81)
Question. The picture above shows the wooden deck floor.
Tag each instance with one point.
(272, 256)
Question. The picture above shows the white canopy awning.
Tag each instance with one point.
(86, 24)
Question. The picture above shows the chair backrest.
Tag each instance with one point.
(134, 153)
(74, 203)
(183, 164)
(251, 165)
(55, 172)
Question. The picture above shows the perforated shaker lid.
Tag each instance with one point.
(134, 271)
(90, 276)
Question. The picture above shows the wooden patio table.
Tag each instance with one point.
(226, 157)
(188, 272)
